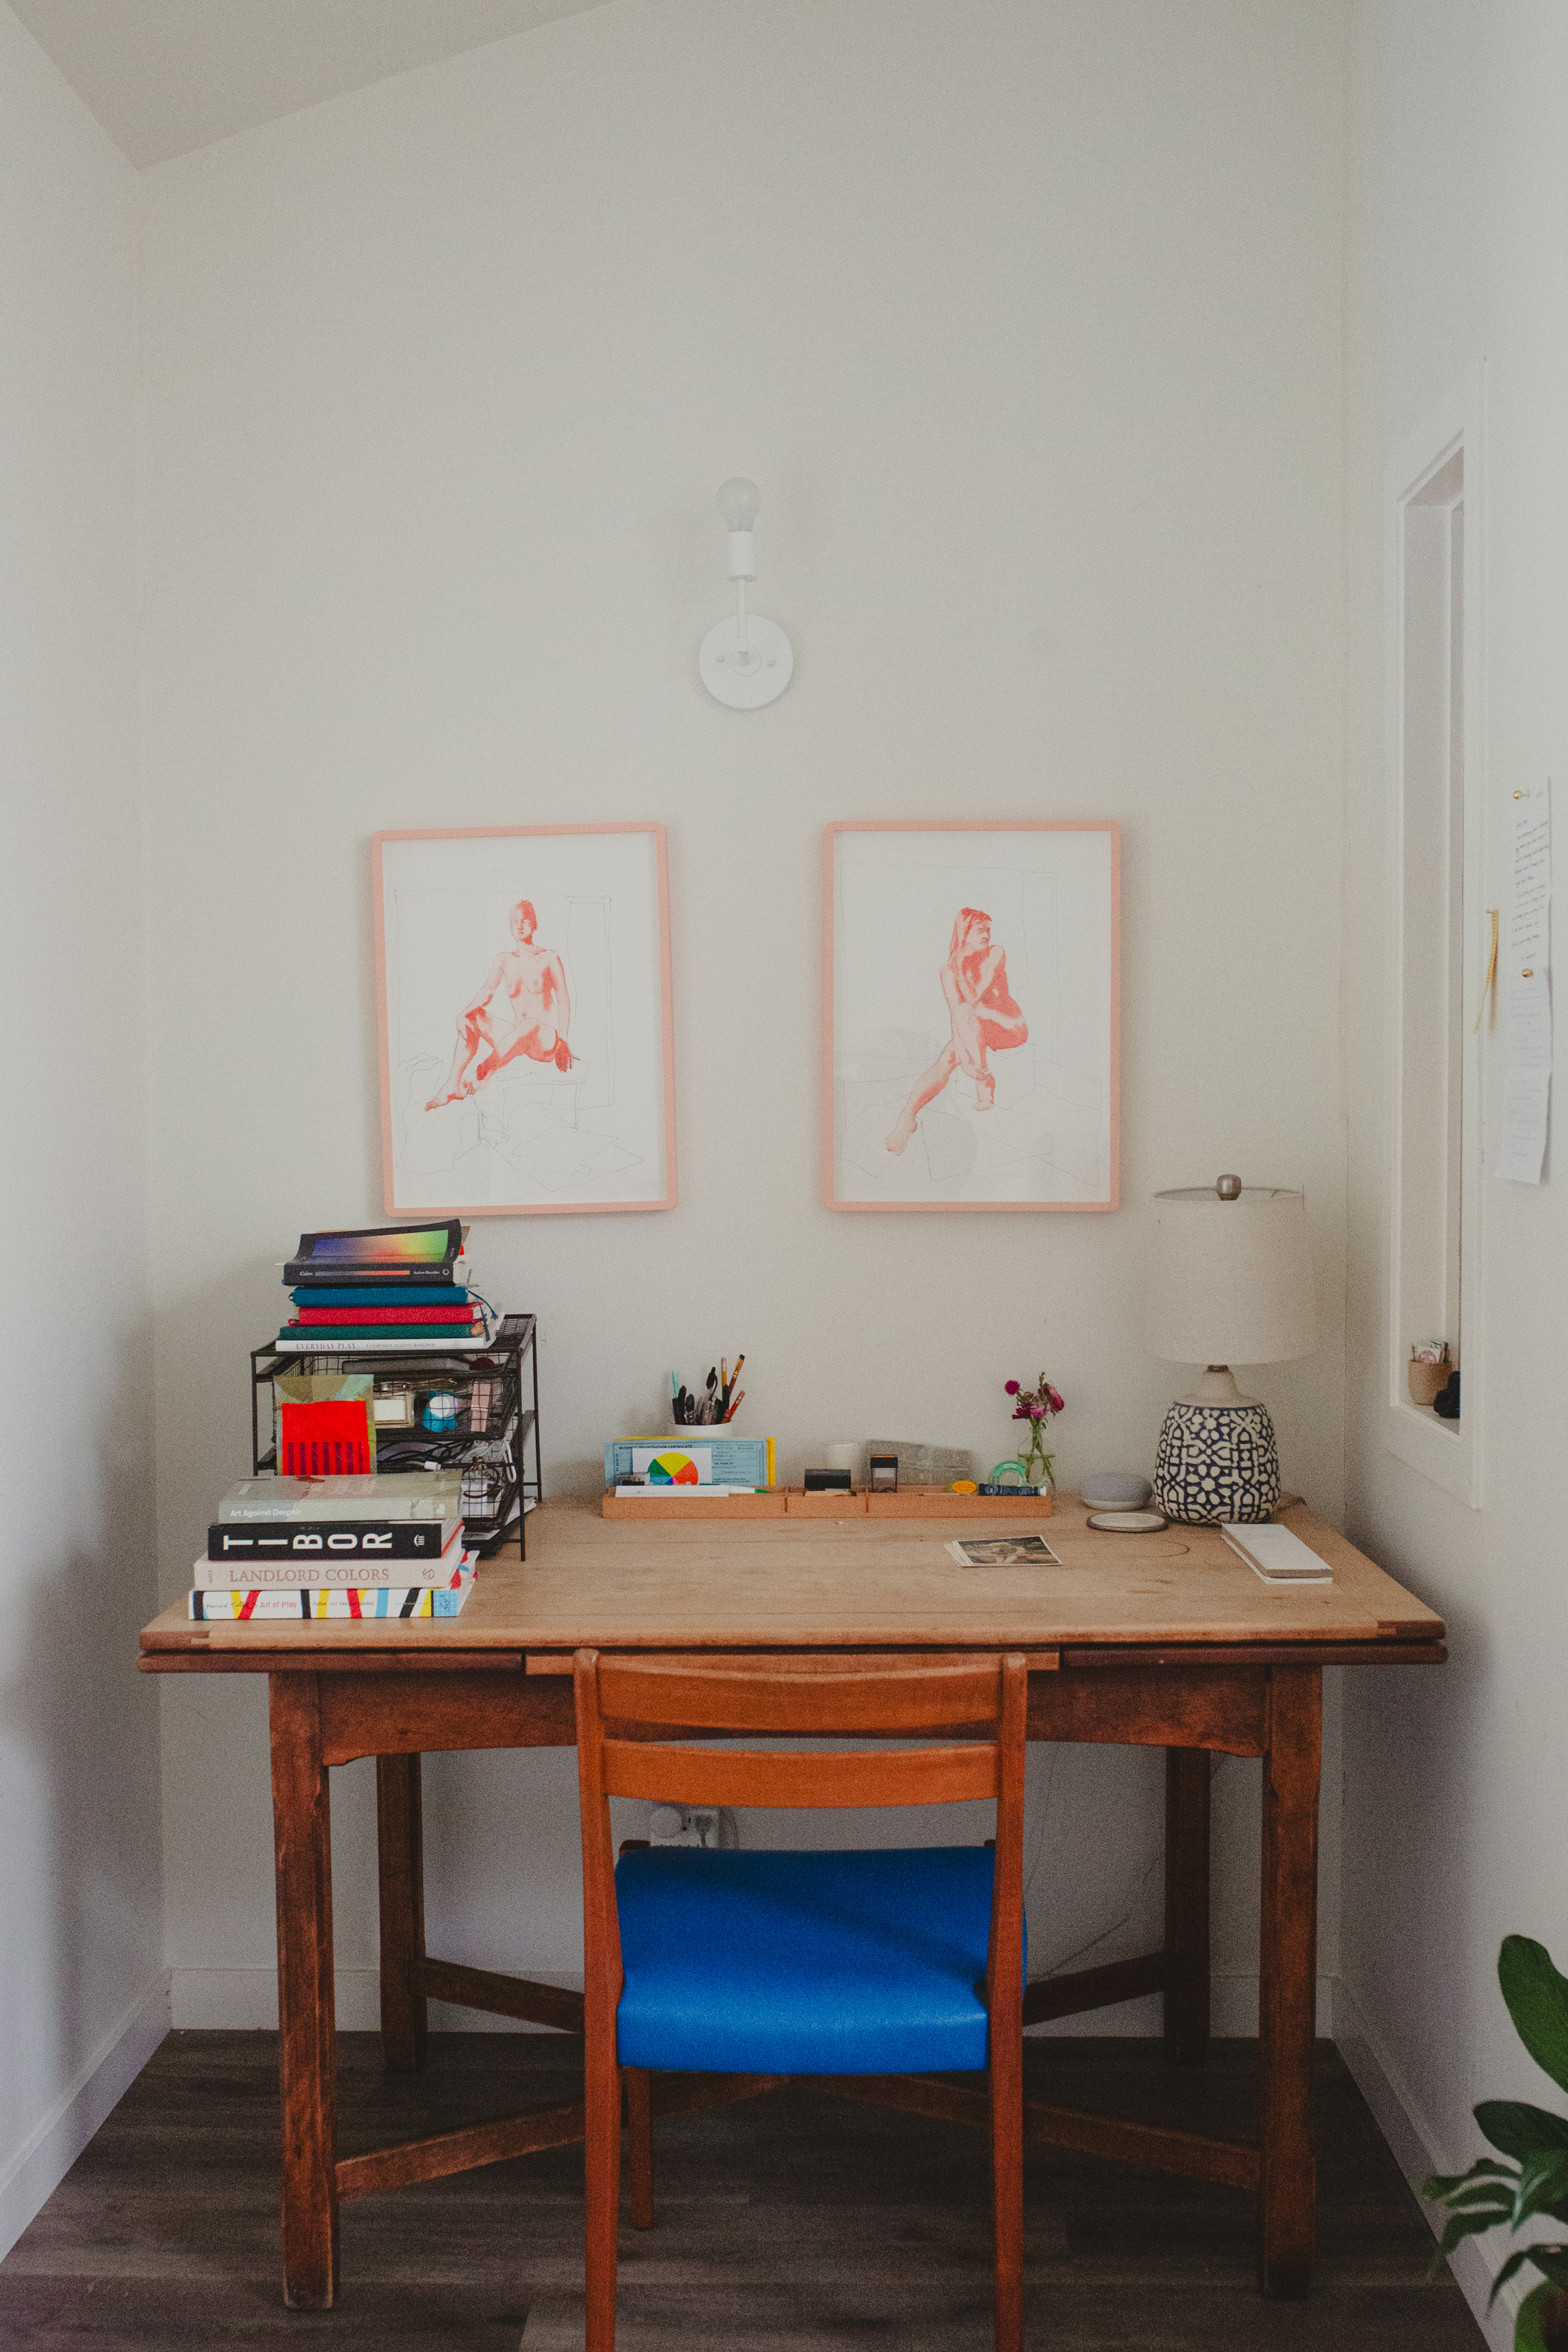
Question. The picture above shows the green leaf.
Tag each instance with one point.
(1461, 2227)
(1438, 2187)
(1481, 2192)
(1521, 2130)
(1537, 1997)
(1514, 2264)
(1527, 2330)
(1543, 2188)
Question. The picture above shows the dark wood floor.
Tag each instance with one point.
(796, 2220)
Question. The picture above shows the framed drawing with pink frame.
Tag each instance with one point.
(972, 1005)
(527, 1059)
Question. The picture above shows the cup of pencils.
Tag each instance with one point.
(717, 1400)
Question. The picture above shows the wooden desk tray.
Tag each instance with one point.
(936, 1503)
(779, 1502)
(768, 1504)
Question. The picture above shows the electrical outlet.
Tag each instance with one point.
(703, 1825)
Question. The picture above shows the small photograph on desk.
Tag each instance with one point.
(1003, 1552)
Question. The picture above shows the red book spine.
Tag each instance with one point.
(355, 1316)
(326, 1440)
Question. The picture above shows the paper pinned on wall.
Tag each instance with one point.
(1526, 1106)
(1527, 992)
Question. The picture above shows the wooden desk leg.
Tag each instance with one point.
(1187, 1904)
(1288, 1986)
(306, 2016)
(400, 1845)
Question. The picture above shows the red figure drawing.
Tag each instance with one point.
(983, 1016)
(523, 1008)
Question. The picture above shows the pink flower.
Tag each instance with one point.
(1057, 1403)
(1011, 1387)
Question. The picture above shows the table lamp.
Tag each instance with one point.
(1232, 1283)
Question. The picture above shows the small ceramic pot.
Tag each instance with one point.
(1115, 1490)
(1425, 1380)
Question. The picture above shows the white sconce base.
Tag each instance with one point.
(745, 673)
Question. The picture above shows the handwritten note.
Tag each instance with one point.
(1529, 917)
(1526, 1103)
(1527, 992)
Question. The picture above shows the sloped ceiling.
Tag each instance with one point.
(166, 75)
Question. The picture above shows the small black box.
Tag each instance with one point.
(828, 1482)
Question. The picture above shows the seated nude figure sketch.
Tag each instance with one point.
(983, 1016)
(523, 1008)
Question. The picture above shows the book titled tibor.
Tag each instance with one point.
(241, 1541)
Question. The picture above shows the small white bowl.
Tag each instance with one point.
(1115, 1490)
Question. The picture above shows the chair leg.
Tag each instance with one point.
(639, 2142)
(601, 2138)
(1008, 2191)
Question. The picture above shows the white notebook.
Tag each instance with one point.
(1278, 1556)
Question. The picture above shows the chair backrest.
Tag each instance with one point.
(627, 1709)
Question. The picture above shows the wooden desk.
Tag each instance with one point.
(1163, 1640)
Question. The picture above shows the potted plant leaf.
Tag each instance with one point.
(1533, 2188)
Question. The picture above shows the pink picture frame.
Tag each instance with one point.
(971, 1014)
(525, 1019)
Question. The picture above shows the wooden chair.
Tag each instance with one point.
(857, 1971)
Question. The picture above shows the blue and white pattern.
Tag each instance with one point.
(1217, 1461)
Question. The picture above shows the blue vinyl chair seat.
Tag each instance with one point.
(836, 1963)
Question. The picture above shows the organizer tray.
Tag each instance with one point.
(779, 1502)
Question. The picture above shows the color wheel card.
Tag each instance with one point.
(673, 1466)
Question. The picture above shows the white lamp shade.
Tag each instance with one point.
(1232, 1280)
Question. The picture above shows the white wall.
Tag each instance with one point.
(79, 1924)
(1025, 314)
(1456, 1780)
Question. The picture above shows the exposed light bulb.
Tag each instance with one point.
(747, 661)
(738, 503)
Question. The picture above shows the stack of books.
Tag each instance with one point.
(371, 1547)
(387, 1289)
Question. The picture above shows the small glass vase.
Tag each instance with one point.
(1039, 1468)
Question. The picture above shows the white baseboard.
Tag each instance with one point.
(206, 2000)
(29, 2178)
(1232, 2012)
(1418, 2151)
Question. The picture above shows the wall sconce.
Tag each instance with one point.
(745, 661)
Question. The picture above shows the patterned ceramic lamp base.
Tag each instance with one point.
(1217, 1461)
